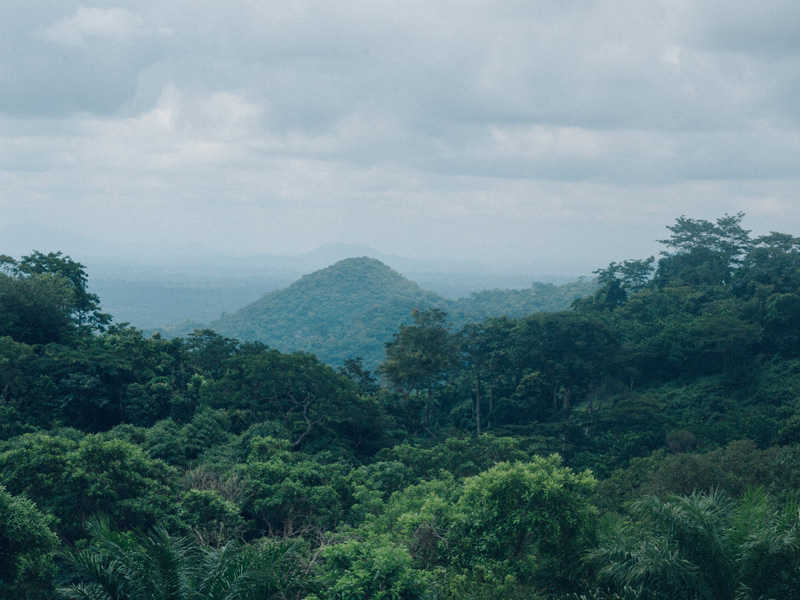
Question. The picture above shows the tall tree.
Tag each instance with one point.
(419, 356)
(36, 309)
(703, 253)
(86, 305)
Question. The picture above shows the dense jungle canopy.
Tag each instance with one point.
(644, 444)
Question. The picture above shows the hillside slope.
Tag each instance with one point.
(349, 308)
(353, 307)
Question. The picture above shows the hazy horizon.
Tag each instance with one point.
(27, 237)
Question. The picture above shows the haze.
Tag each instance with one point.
(567, 134)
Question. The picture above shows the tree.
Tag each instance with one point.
(704, 253)
(484, 346)
(772, 260)
(307, 396)
(26, 546)
(373, 568)
(726, 236)
(703, 546)
(765, 543)
(36, 309)
(354, 370)
(208, 351)
(86, 306)
(419, 356)
(15, 362)
(115, 376)
(526, 515)
(288, 493)
(618, 281)
(560, 353)
(143, 566)
(75, 480)
(44, 298)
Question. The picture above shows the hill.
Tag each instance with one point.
(349, 308)
(354, 306)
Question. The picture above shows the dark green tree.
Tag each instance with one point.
(617, 281)
(703, 253)
(75, 480)
(704, 546)
(525, 516)
(487, 360)
(308, 397)
(144, 566)
(26, 548)
(418, 359)
(772, 260)
(85, 310)
(36, 309)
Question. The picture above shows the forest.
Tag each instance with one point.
(353, 307)
(644, 444)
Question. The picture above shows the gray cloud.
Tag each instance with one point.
(450, 127)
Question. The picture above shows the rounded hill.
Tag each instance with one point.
(355, 303)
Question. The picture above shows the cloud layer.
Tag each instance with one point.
(570, 132)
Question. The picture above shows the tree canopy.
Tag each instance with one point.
(643, 444)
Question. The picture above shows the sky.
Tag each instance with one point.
(567, 133)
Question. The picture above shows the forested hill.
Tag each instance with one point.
(353, 307)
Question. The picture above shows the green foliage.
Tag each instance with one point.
(141, 566)
(289, 494)
(460, 457)
(26, 546)
(705, 252)
(356, 303)
(772, 261)
(85, 309)
(730, 469)
(374, 569)
(309, 398)
(702, 546)
(75, 480)
(417, 363)
(36, 309)
(44, 298)
(430, 483)
(207, 428)
(353, 308)
(213, 520)
(527, 515)
(540, 297)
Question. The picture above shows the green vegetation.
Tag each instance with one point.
(644, 444)
(357, 304)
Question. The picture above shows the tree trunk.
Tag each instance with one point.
(477, 405)
(491, 407)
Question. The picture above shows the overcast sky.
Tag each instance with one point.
(566, 132)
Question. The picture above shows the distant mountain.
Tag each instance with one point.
(354, 306)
